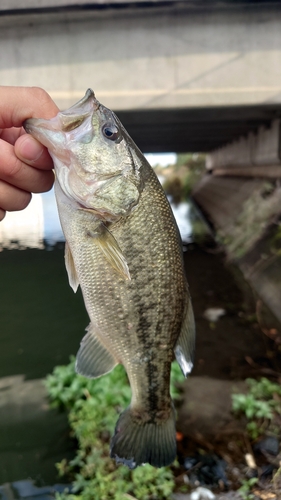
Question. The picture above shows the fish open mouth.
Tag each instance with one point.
(52, 133)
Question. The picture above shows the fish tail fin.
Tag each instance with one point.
(137, 442)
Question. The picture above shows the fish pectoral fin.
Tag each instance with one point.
(103, 238)
(93, 359)
(184, 349)
(70, 267)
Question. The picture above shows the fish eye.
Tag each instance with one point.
(110, 132)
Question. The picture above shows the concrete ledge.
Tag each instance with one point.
(11, 5)
(261, 171)
(33, 437)
(260, 150)
(26, 490)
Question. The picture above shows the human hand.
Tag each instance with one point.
(25, 165)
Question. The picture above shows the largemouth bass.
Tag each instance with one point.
(123, 248)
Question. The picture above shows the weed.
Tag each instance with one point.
(260, 405)
(245, 489)
(93, 406)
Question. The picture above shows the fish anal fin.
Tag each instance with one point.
(136, 443)
(184, 349)
(108, 245)
(70, 268)
(93, 359)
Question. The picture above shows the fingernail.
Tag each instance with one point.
(30, 149)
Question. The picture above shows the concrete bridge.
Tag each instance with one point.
(182, 75)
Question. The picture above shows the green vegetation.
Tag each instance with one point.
(178, 182)
(93, 407)
(245, 489)
(179, 179)
(261, 406)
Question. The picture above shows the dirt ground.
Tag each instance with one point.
(224, 349)
(228, 351)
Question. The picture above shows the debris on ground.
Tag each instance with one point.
(213, 314)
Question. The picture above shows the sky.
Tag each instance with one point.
(162, 159)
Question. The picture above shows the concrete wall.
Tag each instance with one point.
(261, 149)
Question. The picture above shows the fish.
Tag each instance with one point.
(124, 250)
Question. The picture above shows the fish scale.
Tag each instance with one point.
(123, 248)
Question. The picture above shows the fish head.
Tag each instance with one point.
(96, 162)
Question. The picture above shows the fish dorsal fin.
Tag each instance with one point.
(184, 350)
(93, 359)
(70, 267)
(106, 242)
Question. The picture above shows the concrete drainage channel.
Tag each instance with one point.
(28, 491)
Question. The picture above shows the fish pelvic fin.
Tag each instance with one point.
(139, 442)
(106, 242)
(93, 359)
(70, 267)
(185, 346)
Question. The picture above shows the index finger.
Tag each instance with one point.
(19, 103)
